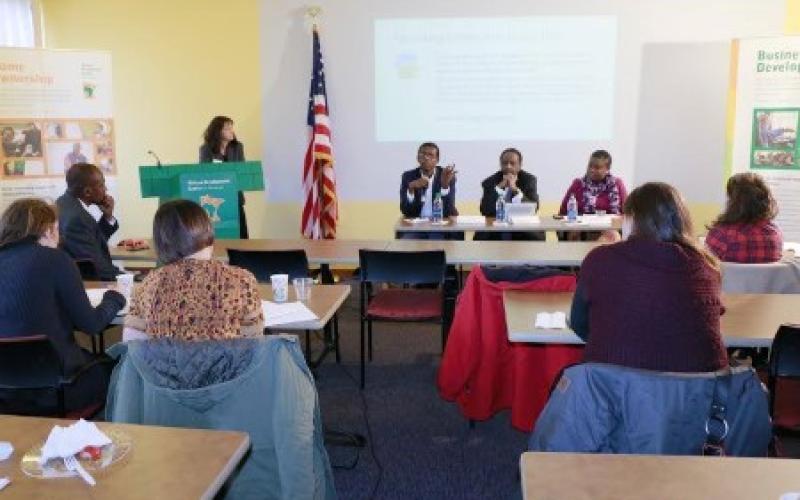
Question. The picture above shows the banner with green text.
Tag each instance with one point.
(766, 82)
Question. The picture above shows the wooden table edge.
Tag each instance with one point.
(320, 322)
(229, 467)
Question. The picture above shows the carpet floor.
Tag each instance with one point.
(423, 448)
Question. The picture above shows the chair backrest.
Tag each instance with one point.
(412, 268)
(777, 277)
(784, 357)
(29, 362)
(264, 263)
(87, 269)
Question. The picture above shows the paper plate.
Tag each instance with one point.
(117, 451)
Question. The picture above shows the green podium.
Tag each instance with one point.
(215, 186)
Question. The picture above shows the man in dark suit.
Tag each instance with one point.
(420, 186)
(513, 184)
(83, 237)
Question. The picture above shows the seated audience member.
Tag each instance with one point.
(653, 300)
(43, 294)
(515, 186)
(83, 237)
(597, 192)
(420, 186)
(192, 296)
(745, 232)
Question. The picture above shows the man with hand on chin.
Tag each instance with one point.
(83, 237)
(420, 186)
(515, 186)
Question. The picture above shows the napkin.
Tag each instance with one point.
(554, 320)
(66, 441)
(4, 481)
(5, 450)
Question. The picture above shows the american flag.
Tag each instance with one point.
(319, 184)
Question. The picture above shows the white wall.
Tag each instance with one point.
(370, 171)
(680, 136)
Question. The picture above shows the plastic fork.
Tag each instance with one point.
(74, 465)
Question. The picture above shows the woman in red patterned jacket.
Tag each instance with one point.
(744, 232)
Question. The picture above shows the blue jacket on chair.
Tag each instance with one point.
(603, 408)
(260, 386)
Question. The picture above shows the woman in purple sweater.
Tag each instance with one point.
(653, 300)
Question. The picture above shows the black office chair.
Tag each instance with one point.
(264, 263)
(31, 364)
(379, 267)
(783, 379)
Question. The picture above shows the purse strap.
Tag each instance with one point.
(716, 424)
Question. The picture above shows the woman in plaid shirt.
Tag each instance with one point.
(745, 231)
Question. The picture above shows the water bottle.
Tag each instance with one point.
(500, 209)
(437, 210)
(572, 209)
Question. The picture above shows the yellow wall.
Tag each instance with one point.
(175, 64)
(792, 17)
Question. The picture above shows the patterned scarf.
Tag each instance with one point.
(593, 189)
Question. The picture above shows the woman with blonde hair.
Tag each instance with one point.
(42, 294)
(651, 301)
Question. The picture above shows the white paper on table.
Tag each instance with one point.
(791, 495)
(5, 450)
(597, 220)
(96, 295)
(416, 220)
(471, 219)
(287, 312)
(67, 441)
(525, 220)
(4, 481)
(555, 320)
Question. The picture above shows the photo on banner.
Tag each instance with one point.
(55, 111)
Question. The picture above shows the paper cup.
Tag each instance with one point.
(125, 285)
(280, 287)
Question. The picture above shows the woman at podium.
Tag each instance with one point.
(220, 145)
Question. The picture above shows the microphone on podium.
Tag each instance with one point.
(158, 160)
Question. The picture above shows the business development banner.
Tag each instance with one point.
(55, 110)
(766, 82)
